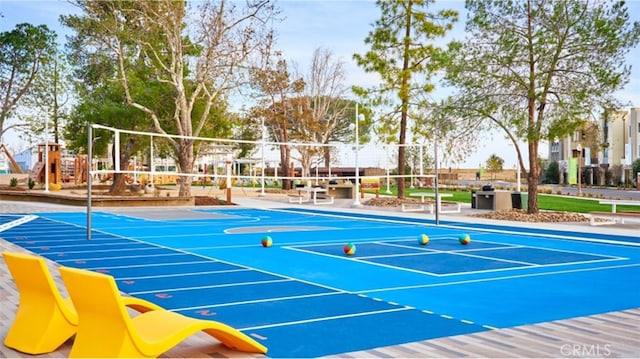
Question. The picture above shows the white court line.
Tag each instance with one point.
(323, 319)
(62, 259)
(203, 261)
(85, 245)
(185, 274)
(110, 250)
(255, 301)
(16, 222)
(209, 286)
(494, 279)
(460, 225)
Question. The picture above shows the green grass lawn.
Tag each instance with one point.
(545, 202)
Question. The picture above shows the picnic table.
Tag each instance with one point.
(601, 218)
(311, 193)
(406, 207)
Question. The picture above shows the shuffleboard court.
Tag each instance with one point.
(304, 297)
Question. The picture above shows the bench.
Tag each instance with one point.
(297, 198)
(422, 206)
(413, 207)
(322, 198)
(603, 218)
(371, 183)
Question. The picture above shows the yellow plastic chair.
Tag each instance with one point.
(105, 329)
(44, 319)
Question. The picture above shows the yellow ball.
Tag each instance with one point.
(423, 239)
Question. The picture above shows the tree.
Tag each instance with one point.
(552, 173)
(494, 165)
(536, 68)
(635, 169)
(325, 110)
(23, 52)
(275, 88)
(201, 63)
(50, 97)
(403, 56)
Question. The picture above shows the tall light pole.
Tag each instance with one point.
(435, 179)
(262, 194)
(359, 117)
(387, 165)
(579, 148)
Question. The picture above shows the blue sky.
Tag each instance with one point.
(337, 25)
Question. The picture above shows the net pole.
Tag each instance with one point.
(116, 149)
(262, 193)
(89, 178)
(435, 172)
(151, 166)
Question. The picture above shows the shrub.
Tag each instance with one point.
(31, 183)
(552, 174)
(13, 182)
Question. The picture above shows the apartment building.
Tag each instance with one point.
(608, 147)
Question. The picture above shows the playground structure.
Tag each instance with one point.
(48, 157)
(13, 165)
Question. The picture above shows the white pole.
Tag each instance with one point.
(435, 180)
(421, 161)
(518, 175)
(357, 203)
(116, 149)
(46, 155)
(89, 177)
(262, 194)
(387, 165)
(151, 164)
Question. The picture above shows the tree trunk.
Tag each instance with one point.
(327, 157)
(119, 184)
(284, 163)
(185, 162)
(404, 97)
(532, 178)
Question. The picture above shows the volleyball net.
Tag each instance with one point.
(233, 162)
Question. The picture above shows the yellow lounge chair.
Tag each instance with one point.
(105, 329)
(44, 319)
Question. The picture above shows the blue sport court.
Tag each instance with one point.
(304, 297)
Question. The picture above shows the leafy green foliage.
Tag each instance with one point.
(494, 164)
(535, 69)
(552, 173)
(403, 54)
(635, 167)
(23, 52)
(177, 76)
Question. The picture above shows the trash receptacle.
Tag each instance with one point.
(516, 200)
(473, 199)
